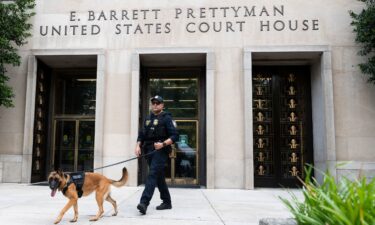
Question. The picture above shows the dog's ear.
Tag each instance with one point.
(60, 172)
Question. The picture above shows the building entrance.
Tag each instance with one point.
(73, 118)
(64, 114)
(282, 128)
(182, 93)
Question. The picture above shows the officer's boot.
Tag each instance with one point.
(142, 207)
(163, 206)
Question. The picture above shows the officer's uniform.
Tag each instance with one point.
(156, 128)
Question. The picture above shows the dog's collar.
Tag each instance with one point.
(68, 181)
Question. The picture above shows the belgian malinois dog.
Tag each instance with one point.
(92, 182)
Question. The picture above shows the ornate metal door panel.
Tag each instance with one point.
(282, 125)
(38, 172)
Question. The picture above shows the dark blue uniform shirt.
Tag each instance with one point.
(166, 118)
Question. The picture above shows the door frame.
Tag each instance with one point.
(169, 72)
(210, 65)
(319, 58)
(69, 56)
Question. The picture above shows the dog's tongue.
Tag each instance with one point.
(53, 192)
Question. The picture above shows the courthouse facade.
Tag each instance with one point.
(257, 89)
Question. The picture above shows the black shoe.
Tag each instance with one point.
(163, 206)
(142, 207)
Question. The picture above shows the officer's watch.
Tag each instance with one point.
(164, 144)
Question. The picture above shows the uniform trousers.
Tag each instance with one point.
(156, 178)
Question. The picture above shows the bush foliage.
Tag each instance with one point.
(344, 203)
(14, 29)
(364, 27)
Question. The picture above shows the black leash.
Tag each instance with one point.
(137, 157)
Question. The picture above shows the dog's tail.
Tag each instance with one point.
(123, 179)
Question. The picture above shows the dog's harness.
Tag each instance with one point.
(78, 179)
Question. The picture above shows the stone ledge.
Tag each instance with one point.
(277, 221)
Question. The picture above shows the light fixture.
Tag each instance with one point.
(172, 79)
(187, 100)
(86, 79)
(182, 87)
(181, 108)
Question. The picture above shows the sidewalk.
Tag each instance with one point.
(27, 204)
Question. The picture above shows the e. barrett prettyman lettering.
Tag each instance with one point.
(229, 11)
(225, 19)
(141, 14)
(202, 13)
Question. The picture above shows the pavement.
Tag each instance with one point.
(26, 204)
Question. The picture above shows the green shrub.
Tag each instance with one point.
(364, 23)
(344, 203)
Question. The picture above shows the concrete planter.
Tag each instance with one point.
(277, 221)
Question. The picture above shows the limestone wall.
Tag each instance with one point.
(226, 28)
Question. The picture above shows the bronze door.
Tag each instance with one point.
(73, 129)
(182, 93)
(73, 145)
(282, 129)
(183, 167)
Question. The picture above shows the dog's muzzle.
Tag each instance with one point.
(53, 184)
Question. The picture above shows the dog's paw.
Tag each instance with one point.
(93, 219)
(57, 221)
(73, 220)
(114, 214)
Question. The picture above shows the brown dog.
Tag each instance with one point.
(92, 182)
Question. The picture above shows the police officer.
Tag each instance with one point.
(157, 135)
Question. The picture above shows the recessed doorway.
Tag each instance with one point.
(183, 90)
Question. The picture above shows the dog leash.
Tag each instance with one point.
(114, 164)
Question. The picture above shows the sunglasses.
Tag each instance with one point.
(155, 103)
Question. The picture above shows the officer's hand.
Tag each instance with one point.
(137, 151)
(158, 145)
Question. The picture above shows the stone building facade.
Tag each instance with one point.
(257, 88)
